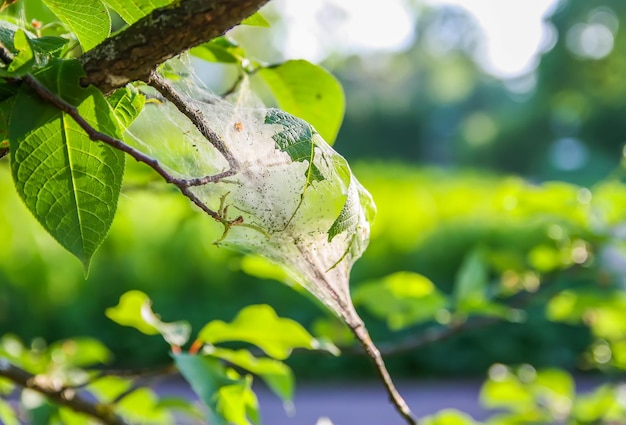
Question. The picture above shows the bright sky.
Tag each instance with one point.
(514, 29)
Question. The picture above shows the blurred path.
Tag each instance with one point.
(350, 403)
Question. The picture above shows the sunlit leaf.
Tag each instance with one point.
(448, 417)
(88, 19)
(108, 388)
(602, 403)
(134, 310)
(256, 20)
(554, 383)
(80, 352)
(506, 391)
(229, 398)
(471, 281)
(295, 139)
(70, 183)
(142, 406)
(28, 51)
(402, 298)
(126, 103)
(68, 416)
(133, 10)
(276, 374)
(259, 325)
(7, 414)
(6, 386)
(220, 49)
(546, 258)
(128, 312)
(309, 92)
(238, 403)
(24, 60)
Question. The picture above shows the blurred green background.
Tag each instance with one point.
(518, 177)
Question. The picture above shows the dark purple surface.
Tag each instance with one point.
(357, 403)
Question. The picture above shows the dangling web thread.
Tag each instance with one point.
(291, 198)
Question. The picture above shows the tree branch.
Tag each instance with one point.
(134, 53)
(432, 336)
(64, 397)
(374, 354)
(195, 116)
(184, 185)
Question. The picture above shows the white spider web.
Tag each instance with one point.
(306, 213)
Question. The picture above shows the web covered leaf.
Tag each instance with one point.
(295, 199)
(296, 139)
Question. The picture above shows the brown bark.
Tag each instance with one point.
(63, 397)
(135, 52)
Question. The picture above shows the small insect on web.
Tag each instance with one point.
(286, 194)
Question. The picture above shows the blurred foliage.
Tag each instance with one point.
(445, 247)
(433, 103)
(541, 256)
(209, 369)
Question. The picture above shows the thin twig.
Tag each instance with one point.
(195, 116)
(435, 335)
(183, 185)
(64, 397)
(360, 332)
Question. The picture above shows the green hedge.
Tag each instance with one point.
(429, 222)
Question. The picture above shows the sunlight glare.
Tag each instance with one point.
(514, 32)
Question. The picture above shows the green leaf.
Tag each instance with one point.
(256, 20)
(80, 352)
(403, 299)
(229, 398)
(471, 281)
(70, 183)
(220, 49)
(348, 218)
(30, 52)
(126, 103)
(309, 92)
(358, 202)
(507, 392)
(108, 388)
(259, 325)
(128, 312)
(554, 383)
(238, 403)
(7, 414)
(24, 60)
(134, 310)
(88, 19)
(133, 10)
(48, 47)
(43, 48)
(602, 403)
(6, 386)
(296, 139)
(449, 417)
(276, 374)
(68, 416)
(142, 406)
(7, 33)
